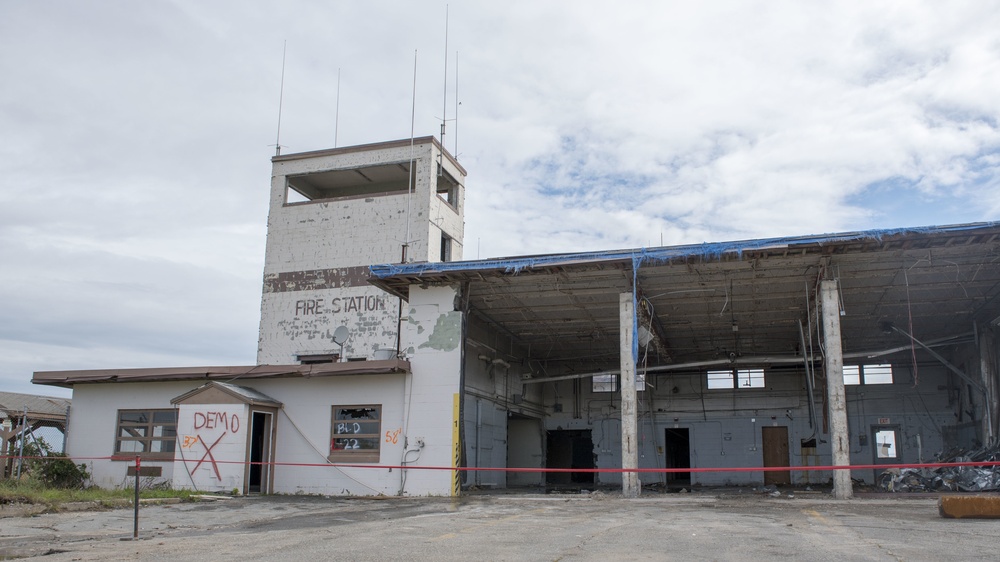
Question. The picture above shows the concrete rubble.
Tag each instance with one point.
(947, 479)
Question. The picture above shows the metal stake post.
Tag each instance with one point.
(135, 528)
(20, 448)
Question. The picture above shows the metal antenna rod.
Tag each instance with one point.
(457, 103)
(281, 98)
(409, 188)
(336, 119)
(444, 108)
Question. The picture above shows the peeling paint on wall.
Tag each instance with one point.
(315, 279)
(303, 322)
(447, 332)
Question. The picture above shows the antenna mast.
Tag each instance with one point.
(409, 187)
(336, 119)
(444, 95)
(281, 98)
(457, 103)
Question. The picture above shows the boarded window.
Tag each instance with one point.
(356, 433)
(150, 434)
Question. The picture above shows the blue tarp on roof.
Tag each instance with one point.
(708, 251)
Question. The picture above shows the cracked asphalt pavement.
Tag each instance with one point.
(509, 527)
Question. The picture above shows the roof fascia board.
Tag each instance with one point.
(657, 255)
(371, 146)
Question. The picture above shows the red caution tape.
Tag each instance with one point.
(585, 470)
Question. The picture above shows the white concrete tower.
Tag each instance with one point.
(335, 212)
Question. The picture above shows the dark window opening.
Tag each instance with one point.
(445, 247)
(447, 188)
(314, 359)
(370, 181)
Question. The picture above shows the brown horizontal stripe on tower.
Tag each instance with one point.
(333, 278)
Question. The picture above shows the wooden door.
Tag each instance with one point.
(775, 444)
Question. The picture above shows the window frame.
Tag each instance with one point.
(717, 376)
(599, 384)
(149, 438)
(856, 372)
(733, 378)
(749, 376)
(355, 455)
(447, 244)
(879, 370)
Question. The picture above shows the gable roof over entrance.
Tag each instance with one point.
(745, 299)
(215, 392)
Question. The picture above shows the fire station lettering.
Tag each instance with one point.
(360, 303)
(217, 420)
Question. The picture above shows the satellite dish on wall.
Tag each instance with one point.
(341, 335)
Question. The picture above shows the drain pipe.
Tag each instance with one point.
(809, 382)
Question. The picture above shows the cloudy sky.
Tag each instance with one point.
(137, 136)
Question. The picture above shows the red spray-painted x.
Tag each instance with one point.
(208, 455)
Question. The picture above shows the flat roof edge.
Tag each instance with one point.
(370, 146)
(711, 250)
(67, 379)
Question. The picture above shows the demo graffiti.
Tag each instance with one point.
(220, 420)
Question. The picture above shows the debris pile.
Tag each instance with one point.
(951, 478)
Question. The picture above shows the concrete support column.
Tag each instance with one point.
(833, 363)
(631, 487)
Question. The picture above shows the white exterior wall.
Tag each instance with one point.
(304, 433)
(432, 333)
(725, 430)
(303, 322)
(445, 219)
(211, 446)
(94, 419)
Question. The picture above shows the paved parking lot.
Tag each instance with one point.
(696, 526)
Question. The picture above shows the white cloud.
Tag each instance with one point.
(135, 163)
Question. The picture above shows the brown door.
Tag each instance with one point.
(775, 442)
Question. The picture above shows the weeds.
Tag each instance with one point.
(31, 490)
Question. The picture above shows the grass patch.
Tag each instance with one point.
(31, 491)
